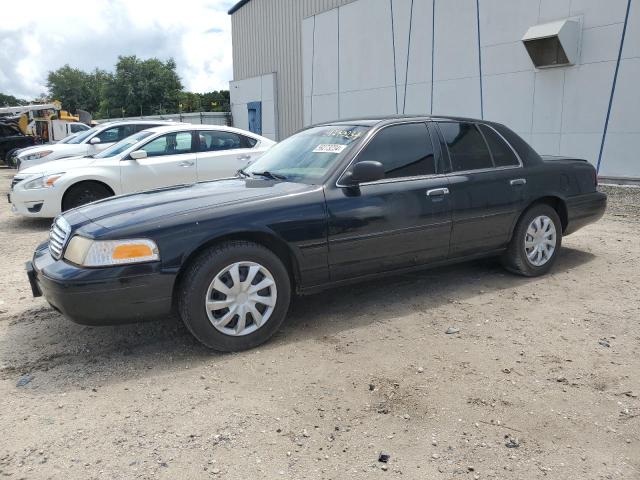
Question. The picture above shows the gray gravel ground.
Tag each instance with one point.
(540, 381)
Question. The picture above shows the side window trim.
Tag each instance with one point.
(486, 144)
(372, 135)
(444, 151)
(520, 163)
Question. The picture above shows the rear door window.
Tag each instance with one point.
(404, 150)
(218, 140)
(467, 148)
(503, 155)
(110, 135)
(170, 144)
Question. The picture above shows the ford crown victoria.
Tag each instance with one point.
(332, 204)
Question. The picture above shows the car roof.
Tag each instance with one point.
(388, 119)
(178, 127)
(138, 122)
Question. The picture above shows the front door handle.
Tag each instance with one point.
(437, 192)
(518, 181)
(244, 157)
(186, 163)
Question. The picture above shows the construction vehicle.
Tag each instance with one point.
(27, 125)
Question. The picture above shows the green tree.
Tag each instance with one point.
(136, 87)
(216, 101)
(144, 87)
(70, 86)
(11, 101)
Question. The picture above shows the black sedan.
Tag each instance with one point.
(329, 205)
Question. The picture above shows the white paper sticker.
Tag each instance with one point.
(329, 148)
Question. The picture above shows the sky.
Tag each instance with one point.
(42, 35)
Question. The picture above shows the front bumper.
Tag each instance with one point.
(40, 202)
(101, 296)
(584, 209)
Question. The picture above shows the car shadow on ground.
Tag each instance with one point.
(22, 224)
(41, 340)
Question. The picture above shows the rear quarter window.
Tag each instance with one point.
(503, 155)
(467, 148)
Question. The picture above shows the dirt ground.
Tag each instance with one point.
(542, 380)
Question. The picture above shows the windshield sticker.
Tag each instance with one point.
(329, 148)
(346, 134)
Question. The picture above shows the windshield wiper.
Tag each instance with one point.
(243, 173)
(271, 175)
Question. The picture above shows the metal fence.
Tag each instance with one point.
(198, 118)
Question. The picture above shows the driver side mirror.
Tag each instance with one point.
(138, 155)
(363, 172)
(94, 140)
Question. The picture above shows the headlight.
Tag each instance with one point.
(45, 181)
(101, 253)
(35, 156)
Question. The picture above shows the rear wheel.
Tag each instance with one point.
(234, 296)
(83, 193)
(535, 243)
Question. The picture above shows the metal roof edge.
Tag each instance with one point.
(237, 6)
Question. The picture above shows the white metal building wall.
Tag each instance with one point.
(457, 57)
(466, 58)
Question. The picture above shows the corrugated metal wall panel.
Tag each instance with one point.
(267, 37)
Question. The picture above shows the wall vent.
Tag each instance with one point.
(553, 44)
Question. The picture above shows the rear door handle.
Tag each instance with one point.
(437, 192)
(518, 181)
(244, 157)
(186, 163)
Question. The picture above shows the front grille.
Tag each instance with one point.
(58, 236)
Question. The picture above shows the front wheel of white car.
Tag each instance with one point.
(83, 193)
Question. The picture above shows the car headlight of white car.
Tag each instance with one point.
(44, 181)
(103, 253)
(37, 155)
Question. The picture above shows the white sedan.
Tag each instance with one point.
(153, 158)
(88, 142)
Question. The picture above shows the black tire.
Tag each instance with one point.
(83, 193)
(515, 258)
(194, 286)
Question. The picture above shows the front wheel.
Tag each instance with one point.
(234, 296)
(83, 193)
(535, 243)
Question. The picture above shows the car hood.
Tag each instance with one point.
(178, 202)
(57, 166)
(54, 147)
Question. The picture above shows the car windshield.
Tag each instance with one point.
(122, 145)
(308, 156)
(68, 138)
(83, 135)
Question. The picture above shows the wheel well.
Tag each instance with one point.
(558, 205)
(82, 182)
(279, 247)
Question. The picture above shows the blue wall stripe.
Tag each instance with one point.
(406, 72)
(480, 59)
(393, 39)
(433, 39)
(613, 85)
